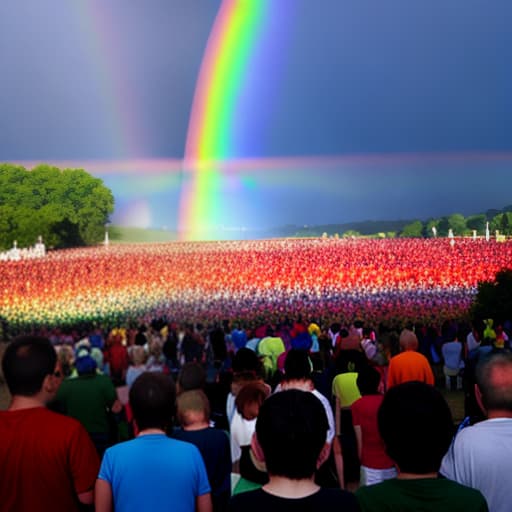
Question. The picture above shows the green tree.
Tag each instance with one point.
(67, 207)
(413, 230)
(432, 223)
(477, 222)
(494, 299)
(457, 223)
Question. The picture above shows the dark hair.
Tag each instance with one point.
(368, 380)
(297, 365)
(246, 359)
(291, 429)
(495, 396)
(152, 399)
(416, 426)
(27, 361)
(191, 376)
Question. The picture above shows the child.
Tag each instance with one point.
(193, 416)
(376, 465)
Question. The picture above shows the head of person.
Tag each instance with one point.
(416, 425)
(250, 398)
(138, 355)
(290, 434)
(408, 340)
(191, 376)
(494, 383)
(297, 365)
(246, 360)
(152, 399)
(368, 380)
(192, 407)
(30, 366)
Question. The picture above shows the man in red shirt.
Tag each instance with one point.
(409, 364)
(48, 460)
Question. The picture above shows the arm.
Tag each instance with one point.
(338, 461)
(337, 417)
(86, 498)
(203, 503)
(103, 496)
(359, 438)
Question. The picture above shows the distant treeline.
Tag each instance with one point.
(499, 220)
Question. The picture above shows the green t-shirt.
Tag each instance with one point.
(422, 495)
(86, 398)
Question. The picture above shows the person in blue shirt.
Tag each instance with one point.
(153, 472)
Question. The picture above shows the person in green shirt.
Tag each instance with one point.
(416, 426)
(90, 398)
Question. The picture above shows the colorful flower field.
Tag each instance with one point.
(324, 279)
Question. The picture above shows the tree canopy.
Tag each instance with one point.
(494, 298)
(66, 207)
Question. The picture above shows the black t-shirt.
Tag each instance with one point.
(324, 500)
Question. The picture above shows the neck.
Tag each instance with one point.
(302, 384)
(288, 488)
(150, 431)
(197, 425)
(415, 476)
(19, 402)
(491, 415)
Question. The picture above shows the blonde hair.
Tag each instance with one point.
(190, 402)
(138, 355)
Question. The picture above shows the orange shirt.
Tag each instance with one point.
(409, 365)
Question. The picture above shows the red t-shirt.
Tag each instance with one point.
(364, 414)
(46, 460)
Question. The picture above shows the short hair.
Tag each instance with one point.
(246, 359)
(253, 392)
(152, 399)
(416, 426)
(192, 401)
(27, 361)
(297, 365)
(368, 380)
(408, 340)
(291, 429)
(191, 376)
(495, 395)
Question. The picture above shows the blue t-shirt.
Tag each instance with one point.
(154, 472)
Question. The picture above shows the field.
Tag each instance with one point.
(388, 281)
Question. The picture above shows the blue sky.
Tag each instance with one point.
(94, 80)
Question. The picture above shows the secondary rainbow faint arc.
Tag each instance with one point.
(219, 87)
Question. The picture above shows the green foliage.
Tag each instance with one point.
(67, 207)
(494, 299)
(413, 230)
(476, 222)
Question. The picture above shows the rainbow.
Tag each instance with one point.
(220, 88)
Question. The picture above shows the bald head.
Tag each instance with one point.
(408, 340)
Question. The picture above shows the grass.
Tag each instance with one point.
(122, 234)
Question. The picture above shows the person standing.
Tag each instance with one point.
(48, 460)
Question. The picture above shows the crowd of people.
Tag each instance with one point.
(389, 281)
(292, 415)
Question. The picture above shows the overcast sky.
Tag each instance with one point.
(89, 80)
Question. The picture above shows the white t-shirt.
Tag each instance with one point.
(241, 431)
(481, 457)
